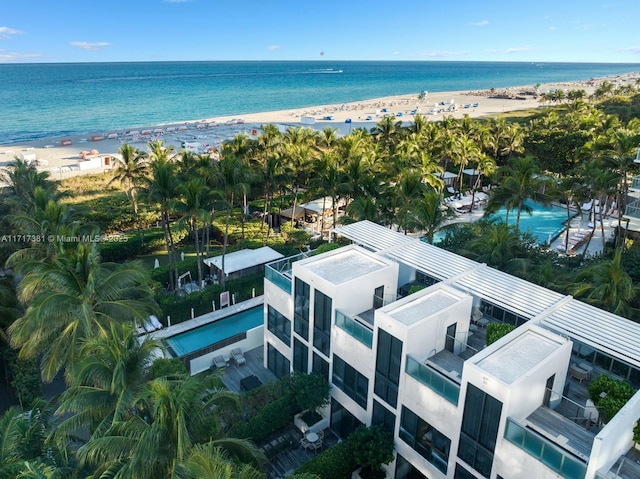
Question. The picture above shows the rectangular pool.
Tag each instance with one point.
(216, 331)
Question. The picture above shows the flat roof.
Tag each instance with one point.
(343, 266)
(422, 307)
(517, 357)
(243, 259)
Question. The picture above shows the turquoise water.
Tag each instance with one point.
(51, 100)
(546, 223)
(219, 330)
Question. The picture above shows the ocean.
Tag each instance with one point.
(51, 100)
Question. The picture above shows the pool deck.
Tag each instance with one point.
(579, 224)
(207, 318)
(233, 373)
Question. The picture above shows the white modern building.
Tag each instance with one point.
(418, 363)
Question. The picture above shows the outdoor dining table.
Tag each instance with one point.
(312, 437)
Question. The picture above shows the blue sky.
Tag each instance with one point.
(472, 30)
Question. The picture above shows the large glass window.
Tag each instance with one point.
(349, 380)
(320, 366)
(405, 470)
(480, 422)
(425, 439)
(343, 423)
(300, 356)
(279, 325)
(389, 356)
(322, 322)
(302, 294)
(462, 473)
(383, 417)
(276, 362)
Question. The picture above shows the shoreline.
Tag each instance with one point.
(60, 159)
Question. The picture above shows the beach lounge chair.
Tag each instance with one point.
(238, 357)
(219, 362)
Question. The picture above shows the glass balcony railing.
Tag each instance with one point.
(545, 451)
(279, 272)
(635, 183)
(633, 209)
(355, 329)
(433, 380)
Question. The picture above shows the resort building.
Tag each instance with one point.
(397, 326)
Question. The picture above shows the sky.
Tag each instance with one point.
(403, 30)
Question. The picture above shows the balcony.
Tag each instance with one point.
(356, 329)
(633, 210)
(279, 272)
(433, 379)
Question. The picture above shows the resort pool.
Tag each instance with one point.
(545, 223)
(217, 331)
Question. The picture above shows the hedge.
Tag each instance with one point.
(274, 417)
(334, 463)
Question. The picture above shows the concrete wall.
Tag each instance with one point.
(255, 339)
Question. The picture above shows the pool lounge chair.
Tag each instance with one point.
(219, 362)
(238, 357)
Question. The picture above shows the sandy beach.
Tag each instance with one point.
(69, 156)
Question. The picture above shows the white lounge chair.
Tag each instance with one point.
(238, 357)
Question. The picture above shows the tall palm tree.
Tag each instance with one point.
(102, 384)
(74, 297)
(161, 189)
(157, 441)
(130, 169)
(408, 188)
(428, 215)
(192, 203)
(23, 178)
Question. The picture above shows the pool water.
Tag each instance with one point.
(545, 223)
(216, 331)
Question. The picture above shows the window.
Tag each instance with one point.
(349, 380)
(480, 422)
(322, 322)
(300, 356)
(302, 294)
(383, 417)
(405, 470)
(389, 356)
(279, 325)
(378, 297)
(343, 423)
(462, 473)
(277, 363)
(320, 366)
(425, 439)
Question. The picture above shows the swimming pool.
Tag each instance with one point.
(545, 223)
(218, 331)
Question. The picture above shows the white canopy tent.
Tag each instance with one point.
(243, 261)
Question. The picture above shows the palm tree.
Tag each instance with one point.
(74, 297)
(208, 461)
(22, 179)
(104, 381)
(607, 285)
(500, 247)
(161, 189)
(157, 441)
(130, 169)
(427, 215)
(192, 204)
(408, 188)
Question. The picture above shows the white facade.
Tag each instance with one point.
(457, 409)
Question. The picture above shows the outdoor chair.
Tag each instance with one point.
(219, 362)
(238, 357)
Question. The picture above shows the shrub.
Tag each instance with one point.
(609, 395)
(371, 446)
(309, 392)
(334, 463)
(272, 418)
(167, 367)
(324, 247)
(497, 330)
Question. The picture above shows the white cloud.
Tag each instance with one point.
(6, 57)
(395, 53)
(482, 23)
(273, 48)
(509, 51)
(634, 50)
(6, 32)
(442, 53)
(90, 45)
(552, 28)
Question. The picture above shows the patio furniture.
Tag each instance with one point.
(249, 383)
(238, 356)
(219, 362)
(578, 373)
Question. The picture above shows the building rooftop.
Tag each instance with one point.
(515, 358)
(422, 307)
(344, 265)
